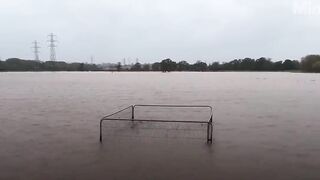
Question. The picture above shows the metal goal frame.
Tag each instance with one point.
(133, 119)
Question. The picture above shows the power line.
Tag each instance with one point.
(52, 46)
(36, 50)
(91, 59)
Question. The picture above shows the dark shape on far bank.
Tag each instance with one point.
(310, 63)
(15, 64)
(136, 67)
(168, 65)
(119, 66)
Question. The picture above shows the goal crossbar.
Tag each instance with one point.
(133, 119)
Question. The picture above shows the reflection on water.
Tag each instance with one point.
(266, 126)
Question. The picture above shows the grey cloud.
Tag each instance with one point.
(152, 30)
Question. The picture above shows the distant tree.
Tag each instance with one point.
(146, 67)
(93, 67)
(136, 67)
(63, 66)
(296, 64)
(290, 65)
(263, 64)
(200, 66)
(2, 66)
(72, 66)
(316, 66)
(235, 65)
(156, 66)
(308, 62)
(168, 65)
(87, 67)
(60, 66)
(277, 66)
(81, 67)
(226, 66)
(215, 66)
(183, 66)
(119, 66)
(248, 64)
(15, 64)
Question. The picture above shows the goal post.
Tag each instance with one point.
(131, 116)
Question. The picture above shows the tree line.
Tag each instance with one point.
(310, 63)
(15, 64)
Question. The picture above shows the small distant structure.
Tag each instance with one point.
(109, 66)
(91, 60)
(126, 67)
(52, 46)
(36, 51)
(115, 67)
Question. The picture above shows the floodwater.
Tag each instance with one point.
(266, 126)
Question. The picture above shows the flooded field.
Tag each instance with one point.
(266, 126)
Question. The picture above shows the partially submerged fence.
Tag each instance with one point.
(132, 118)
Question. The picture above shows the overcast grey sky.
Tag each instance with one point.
(151, 30)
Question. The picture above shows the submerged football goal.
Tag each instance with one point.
(189, 114)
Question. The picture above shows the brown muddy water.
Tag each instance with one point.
(267, 126)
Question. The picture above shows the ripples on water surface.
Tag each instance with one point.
(267, 126)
